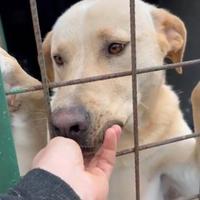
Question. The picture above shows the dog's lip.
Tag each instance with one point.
(89, 151)
(110, 123)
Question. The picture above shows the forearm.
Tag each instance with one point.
(40, 185)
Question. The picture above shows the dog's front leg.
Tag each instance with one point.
(27, 112)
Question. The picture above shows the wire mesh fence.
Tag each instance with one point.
(133, 72)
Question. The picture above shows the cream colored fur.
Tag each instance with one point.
(81, 37)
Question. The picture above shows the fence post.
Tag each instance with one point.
(2, 37)
(9, 172)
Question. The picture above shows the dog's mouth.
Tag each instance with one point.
(90, 151)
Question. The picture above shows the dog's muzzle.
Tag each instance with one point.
(75, 123)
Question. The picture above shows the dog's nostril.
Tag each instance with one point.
(75, 129)
(56, 129)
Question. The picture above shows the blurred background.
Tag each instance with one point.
(16, 24)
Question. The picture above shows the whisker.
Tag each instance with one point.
(42, 112)
(38, 119)
(144, 106)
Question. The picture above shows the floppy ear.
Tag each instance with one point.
(46, 46)
(172, 35)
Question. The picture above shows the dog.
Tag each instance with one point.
(98, 42)
(27, 112)
(93, 38)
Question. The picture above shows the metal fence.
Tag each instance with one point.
(8, 168)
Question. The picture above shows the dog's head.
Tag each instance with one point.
(93, 38)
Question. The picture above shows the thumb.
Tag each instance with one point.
(105, 158)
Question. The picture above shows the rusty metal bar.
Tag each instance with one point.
(103, 77)
(71, 82)
(157, 144)
(184, 64)
(134, 95)
(41, 60)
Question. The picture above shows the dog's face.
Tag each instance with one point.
(93, 38)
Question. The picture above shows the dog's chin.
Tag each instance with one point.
(89, 152)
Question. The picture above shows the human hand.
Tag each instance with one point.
(63, 158)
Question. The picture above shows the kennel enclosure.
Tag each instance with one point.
(8, 163)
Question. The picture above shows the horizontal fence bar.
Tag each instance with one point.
(71, 82)
(103, 77)
(157, 144)
(184, 64)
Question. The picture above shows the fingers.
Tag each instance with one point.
(105, 157)
(61, 150)
(38, 157)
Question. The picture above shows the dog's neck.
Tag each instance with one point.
(157, 119)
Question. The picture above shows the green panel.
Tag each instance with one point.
(2, 37)
(9, 172)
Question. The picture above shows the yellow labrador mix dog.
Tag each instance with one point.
(93, 38)
(27, 112)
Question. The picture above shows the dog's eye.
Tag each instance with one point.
(116, 48)
(58, 60)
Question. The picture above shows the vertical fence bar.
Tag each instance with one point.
(41, 60)
(9, 172)
(134, 93)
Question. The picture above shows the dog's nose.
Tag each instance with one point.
(72, 123)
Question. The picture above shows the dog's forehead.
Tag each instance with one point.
(97, 15)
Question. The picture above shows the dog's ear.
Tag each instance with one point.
(46, 46)
(172, 35)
